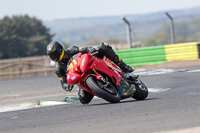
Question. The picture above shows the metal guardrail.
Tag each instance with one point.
(143, 56)
(182, 51)
(160, 54)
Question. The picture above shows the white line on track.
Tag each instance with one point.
(52, 103)
(30, 105)
(197, 70)
(158, 90)
(16, 107)
(161, 71)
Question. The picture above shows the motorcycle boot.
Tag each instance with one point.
(125, 68)
(106, 49)
(126, 91)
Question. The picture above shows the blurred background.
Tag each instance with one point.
(26, 27)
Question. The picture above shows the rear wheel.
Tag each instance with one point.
(106, 91)
(141, 91)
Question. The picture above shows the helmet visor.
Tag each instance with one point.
(54, 55)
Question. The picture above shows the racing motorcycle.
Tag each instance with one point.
(104, 79)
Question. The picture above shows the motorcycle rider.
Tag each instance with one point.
(57, 53)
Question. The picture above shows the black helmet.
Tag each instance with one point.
(56, 51)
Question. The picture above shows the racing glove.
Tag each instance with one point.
(67, 86)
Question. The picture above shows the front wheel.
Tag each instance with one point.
(107, 92)
(141, 91)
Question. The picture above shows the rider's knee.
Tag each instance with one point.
(103, 47)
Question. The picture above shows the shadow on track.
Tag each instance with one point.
(127, 101)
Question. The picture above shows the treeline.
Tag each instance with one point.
(22, 36)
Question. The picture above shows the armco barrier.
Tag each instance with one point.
(184, 51)
(160, 54)
(143, 56)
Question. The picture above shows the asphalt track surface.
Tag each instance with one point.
(177, 108)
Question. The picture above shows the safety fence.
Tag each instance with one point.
(160, 54)
(25, 67)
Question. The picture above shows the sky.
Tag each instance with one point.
(61, 9)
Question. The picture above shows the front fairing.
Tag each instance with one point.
(86, 62)
(107, 69)
(78, 67)
(74, 72)
(73, 78)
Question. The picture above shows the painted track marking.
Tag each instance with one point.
(158, 90)
(162, 71)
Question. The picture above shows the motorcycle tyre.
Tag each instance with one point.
(140, 94)
(94, 86)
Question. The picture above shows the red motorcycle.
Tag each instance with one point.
(104, 79)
